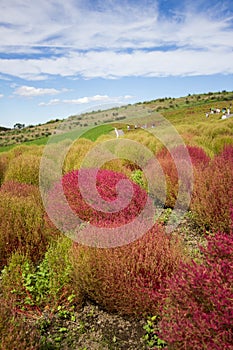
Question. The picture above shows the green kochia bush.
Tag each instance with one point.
(24, 169)
(198, 311)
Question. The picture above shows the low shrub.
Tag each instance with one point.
(127, 279)
(212, 195)
(124, 208)
(76, 154)
(24, 168)
(26, 149)
(17, 332)
(18, 189)
(4, 161)
(198, 157)
(23, 224)
(177, 171)
(49, 284)
(197, 311)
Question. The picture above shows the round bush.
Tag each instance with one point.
(180, 182)
(23, 224)
(213, 195)
(197, 311)
(127, 279)
(76, 154)
(24, 169)
(97, 212)
(4, 161)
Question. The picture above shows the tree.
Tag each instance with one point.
(19, 126)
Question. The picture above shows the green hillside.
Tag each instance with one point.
(184, 113)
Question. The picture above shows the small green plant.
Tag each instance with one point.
(151, 338)
(137, 177)
(66, 312)
(168, 215)
(47, 285)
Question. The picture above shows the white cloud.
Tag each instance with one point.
(30, 91)
(1, 95)
(96, 98)
(72, 25)
(67, 38)
(107, 64)
(54, 101)
(88, 99)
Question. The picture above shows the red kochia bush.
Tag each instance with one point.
(213, 192)
(198, 311)
(106, 185)
(199, 160)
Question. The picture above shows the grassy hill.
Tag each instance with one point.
(184, 112)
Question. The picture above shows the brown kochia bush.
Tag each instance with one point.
(23, 224)
(17, 332)
(213, 193)
(127, 279)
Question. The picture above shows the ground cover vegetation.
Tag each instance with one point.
(171, 291)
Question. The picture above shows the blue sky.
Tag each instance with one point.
(59, 58)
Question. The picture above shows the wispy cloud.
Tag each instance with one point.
(88, 99)
(30, 91)
(106, 64)
(1, 95)
(99, 39)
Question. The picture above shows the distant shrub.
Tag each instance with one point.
(144, 138)
(127, 279)
(76, 154)
(212, 195)
(171, 176)
(119, 165)
(197, 313)
(22, 149)
(220, 141)
(24, 168)
(198, 156)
